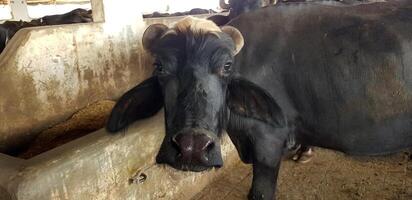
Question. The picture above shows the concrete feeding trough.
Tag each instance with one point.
(103, 166)
(48, 74)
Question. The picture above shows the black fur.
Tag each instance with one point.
(338, 77)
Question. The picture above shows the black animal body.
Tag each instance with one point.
(337, 77)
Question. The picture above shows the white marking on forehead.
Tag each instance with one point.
(196, 25)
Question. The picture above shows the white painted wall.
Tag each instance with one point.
(170, 6)
(5, 12)
(37, 11)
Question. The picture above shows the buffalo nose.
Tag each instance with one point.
(193, 148)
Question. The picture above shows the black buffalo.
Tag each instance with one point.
(9, 28)
(237, 7)
(338, 77)
(301, 153)
(78, 15)
(3, 38)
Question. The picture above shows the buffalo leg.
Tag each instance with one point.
(262, 145)
(264, 181)
(268, 150)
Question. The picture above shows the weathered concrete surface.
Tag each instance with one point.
(48, 73)
(99, 166)
(9, 167)
(58, 70)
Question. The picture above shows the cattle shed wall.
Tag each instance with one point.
(49, 73)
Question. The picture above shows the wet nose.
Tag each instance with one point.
(193, 148)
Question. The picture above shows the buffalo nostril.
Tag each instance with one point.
(185, 144)
(204, 142)
(208, 144)
(193, 147)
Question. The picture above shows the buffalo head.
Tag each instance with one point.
(194, 80)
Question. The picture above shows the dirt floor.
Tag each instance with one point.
(329, 176)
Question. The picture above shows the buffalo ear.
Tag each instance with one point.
(153, 33)
(236, 36)
(249, 100)
(140, 102)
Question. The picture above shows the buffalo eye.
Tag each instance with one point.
(158, 67)
(227, 68)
